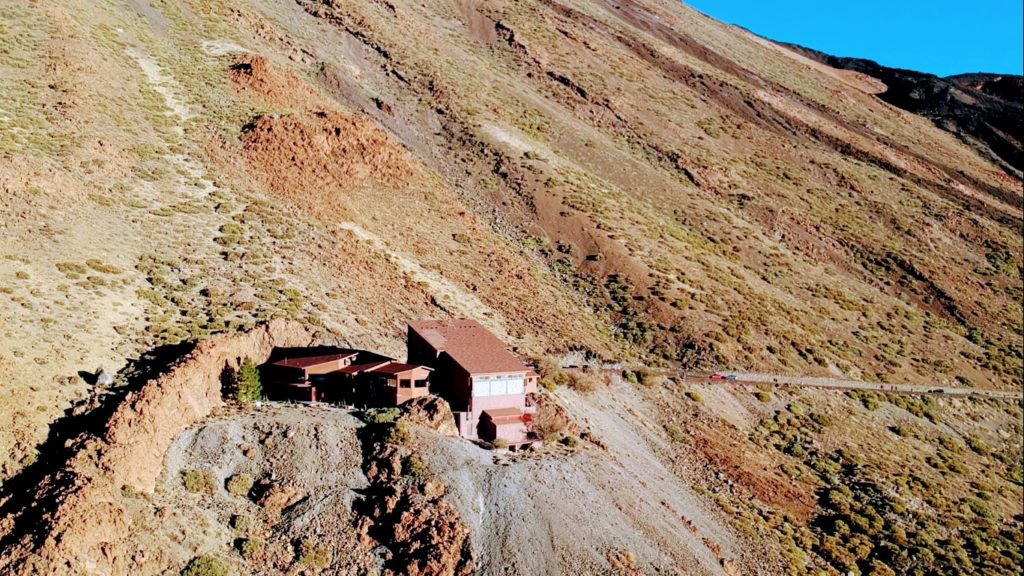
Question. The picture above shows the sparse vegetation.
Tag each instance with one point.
(240, 485)
(548, 423)
(415, 466)
(866, 517)
(381, 415)
(205, 566)
(310, 554)
(249, 548)
(399, 435)
(199, 481)
(244, 523)
(675, 433)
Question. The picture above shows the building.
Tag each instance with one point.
(309, 377)
(350, 376)
(484, 383)
(385, 383)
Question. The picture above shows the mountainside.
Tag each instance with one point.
(984, 110)
(619, 181)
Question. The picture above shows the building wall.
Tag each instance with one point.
(512, 432)
(492, 402)
(484, 399)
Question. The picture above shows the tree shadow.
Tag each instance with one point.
(29, 496)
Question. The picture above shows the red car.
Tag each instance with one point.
(717, 376)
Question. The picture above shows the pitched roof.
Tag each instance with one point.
(398, 368)
(365, 367)
(310, 361)
(469, 344)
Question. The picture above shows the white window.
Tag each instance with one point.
(501, 385)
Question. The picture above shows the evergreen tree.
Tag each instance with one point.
(247, 382)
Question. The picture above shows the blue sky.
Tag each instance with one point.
(941, 36)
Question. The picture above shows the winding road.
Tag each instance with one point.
(825, 383)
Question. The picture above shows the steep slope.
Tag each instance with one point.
(628, 179)
(984, 110)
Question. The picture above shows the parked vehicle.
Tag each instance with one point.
(731, 377)
(717, 376)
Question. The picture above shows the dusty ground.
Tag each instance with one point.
(614, 178)
(617, 179)
(313, 452)
(566, 512)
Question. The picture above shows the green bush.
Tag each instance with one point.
(416, 467)
(381, 415)
(399, 435)
(243, 523)
(763, 396)
(239, 484)
(499, 444)
(249, 547)
(675, 433)
(205, 566)
(312, 555)
(198, 481)
(247, 382)
(694, 395)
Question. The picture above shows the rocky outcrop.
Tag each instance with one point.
(430, 412)
(984, 110)
(405, 510)
(77, 521)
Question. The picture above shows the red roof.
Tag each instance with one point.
(311, 361)
(469, 344)
(357, 368)
(504, 415)
(398, 368)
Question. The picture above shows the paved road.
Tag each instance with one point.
(754, 378)
(836, 384)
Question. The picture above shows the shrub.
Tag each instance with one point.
(675, 433)
(399, 435)
(249, 547)
(763, 396)
(641, 376)
(416, 467)
(551, 374)
(499, 444)
(247, 382)
(693, 395)
(381, 415)
(312, 555)
(239, 484)
(198, 481)
(571, 441)
(584, 383)
(548, 424)
(100, 266)
(205, 566)
(243, 523)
